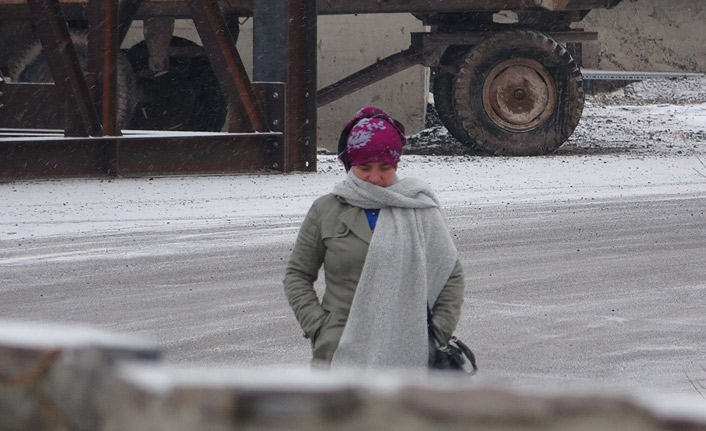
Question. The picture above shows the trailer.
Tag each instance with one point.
(506, 75)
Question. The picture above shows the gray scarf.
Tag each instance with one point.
(410, 258)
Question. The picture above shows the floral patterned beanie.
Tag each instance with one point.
(371, 136)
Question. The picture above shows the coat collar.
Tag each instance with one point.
(354, 218)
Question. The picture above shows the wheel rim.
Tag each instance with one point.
(519, 94)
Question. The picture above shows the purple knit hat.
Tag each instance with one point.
(371, 136)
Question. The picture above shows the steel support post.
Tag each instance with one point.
(53, 32)
(269, 41)
(300, 125)
(101, 62)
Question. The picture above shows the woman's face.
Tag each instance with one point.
(380, 174)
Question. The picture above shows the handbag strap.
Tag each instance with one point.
(461, 345)
(467, 352)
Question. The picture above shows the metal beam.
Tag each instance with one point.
(376, 72)
(44, 156)
(284, 50)
(101, 62)
(48, 154)
(53, 32)
(269, 41)
(225, 59)
(301, 86)
(177, 8)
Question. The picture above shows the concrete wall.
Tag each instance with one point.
(68, 378)
(349, 43)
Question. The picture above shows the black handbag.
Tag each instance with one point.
(450, 356)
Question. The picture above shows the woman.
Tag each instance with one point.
(387, 255)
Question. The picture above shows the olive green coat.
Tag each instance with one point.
(336, 235)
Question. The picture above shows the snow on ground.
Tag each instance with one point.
(624, 146)
(70, 207)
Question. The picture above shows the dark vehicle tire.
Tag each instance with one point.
(187, 97)
(442, 88)
(33, 67)
(518, 93)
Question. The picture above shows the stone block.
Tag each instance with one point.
(52, 376)
(180, 399)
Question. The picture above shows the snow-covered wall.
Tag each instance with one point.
(69, 378)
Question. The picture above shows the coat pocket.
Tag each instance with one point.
(326, 342)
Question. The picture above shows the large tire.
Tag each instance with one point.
(188, 97)
(33, 67)
(442, 87)
(518, 93)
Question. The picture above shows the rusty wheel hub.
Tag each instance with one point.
(519, 94)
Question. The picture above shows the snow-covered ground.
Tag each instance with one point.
(630, 142)
(75, 206)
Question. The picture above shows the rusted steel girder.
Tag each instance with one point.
(284, 50)
(16, 9)
(53, 32)
(46, 154)
(101, 62)
(301, 85)
(35, 153)
(225, 59)
(139, 155)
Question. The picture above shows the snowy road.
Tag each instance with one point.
(609, 292)
(583, 268)
(562, 288)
